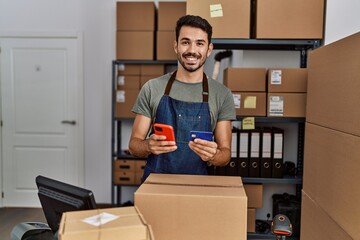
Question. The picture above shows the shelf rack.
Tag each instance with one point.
(257, 44)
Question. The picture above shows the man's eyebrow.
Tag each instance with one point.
(188, 39)
(185, 39)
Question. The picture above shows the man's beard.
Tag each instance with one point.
(190, 68)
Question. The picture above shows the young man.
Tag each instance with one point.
(186, 100)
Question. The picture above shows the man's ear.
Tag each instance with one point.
(211, 47)
(175, 46)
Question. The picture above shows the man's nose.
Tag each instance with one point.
(192, 47)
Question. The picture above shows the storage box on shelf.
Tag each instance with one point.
(168, 14)
(223, 16)
(287, 89)
(135, 35)
(282, 19)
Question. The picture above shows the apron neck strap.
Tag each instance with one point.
(205, 86)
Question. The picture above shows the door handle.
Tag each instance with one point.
(69, 122)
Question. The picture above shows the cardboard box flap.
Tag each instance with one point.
(194, 180)
(193, 191)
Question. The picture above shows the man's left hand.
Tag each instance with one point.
(205, 149)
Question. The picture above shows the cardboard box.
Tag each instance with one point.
(165, 45)
(135, 45)
(121, 223)
(135, 16)
(128, 82)
(331, 171)
(129, 69)
(140, 165)
(138, 177)
(290, 80)
(124, 178)
(152, 69)
(169, 13)
(193, 206)
(286, 104)
(250, 103)
(284, 19)
(251, 220)
(334, 85)
(245, 79)
(254, 193)
(223, 15)
(125, 100)
(124, 165)
(128, 172)
(316, 223)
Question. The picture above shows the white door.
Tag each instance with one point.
(42, 116)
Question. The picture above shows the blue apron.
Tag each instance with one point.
(184, 117)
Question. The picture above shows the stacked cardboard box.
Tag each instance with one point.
(128, 172)
(283, 19)
(286, 92)
(254, 193)
(130, 79)
(127, 90)
(229, 19)
(194, 207)
(332, 143)
(249, 90)
(168, 14)
(135, 36)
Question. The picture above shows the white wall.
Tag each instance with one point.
(96, 20)
(342, 19)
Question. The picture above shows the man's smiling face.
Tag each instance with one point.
(192, 48)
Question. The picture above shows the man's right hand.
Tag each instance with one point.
(157, 144)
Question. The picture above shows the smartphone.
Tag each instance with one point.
(201, 134)
(164, 129)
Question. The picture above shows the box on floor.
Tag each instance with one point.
(331, 167)
(317, 224)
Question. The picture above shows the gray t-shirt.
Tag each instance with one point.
(221, 102)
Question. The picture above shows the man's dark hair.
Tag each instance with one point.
(193, 21)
